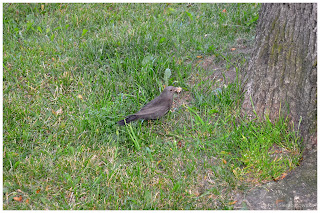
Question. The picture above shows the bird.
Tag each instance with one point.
(156, 108)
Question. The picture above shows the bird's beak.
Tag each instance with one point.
(178, 89)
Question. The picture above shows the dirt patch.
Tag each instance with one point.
(213, 72)
(242, 49)
(218, 70)
(183, 98)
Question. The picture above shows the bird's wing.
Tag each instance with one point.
(156, 101)
(153, 110)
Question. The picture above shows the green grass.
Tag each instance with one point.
(101, 62)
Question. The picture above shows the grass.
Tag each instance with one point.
(72, 70)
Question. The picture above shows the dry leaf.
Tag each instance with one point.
(283, 175)
(27, 201)
(199, 56)
(224, 161)
(196, 193)
(80, 96)
(212, 196)
(59, 111)
(233, 202)
(233, 49)
(66, 74)
(224, 10)
(47, 188)
(279, 201)
(42, 7)
(18, 198)
(280, 177)
(38, 191)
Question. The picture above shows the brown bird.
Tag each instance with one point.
(156, 108)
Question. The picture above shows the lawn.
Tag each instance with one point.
(71, 71)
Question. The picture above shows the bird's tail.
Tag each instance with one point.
(128, 119)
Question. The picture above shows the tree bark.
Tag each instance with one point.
(281, 76)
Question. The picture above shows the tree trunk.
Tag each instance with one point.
(282, 74)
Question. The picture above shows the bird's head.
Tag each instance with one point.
(172, 89)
